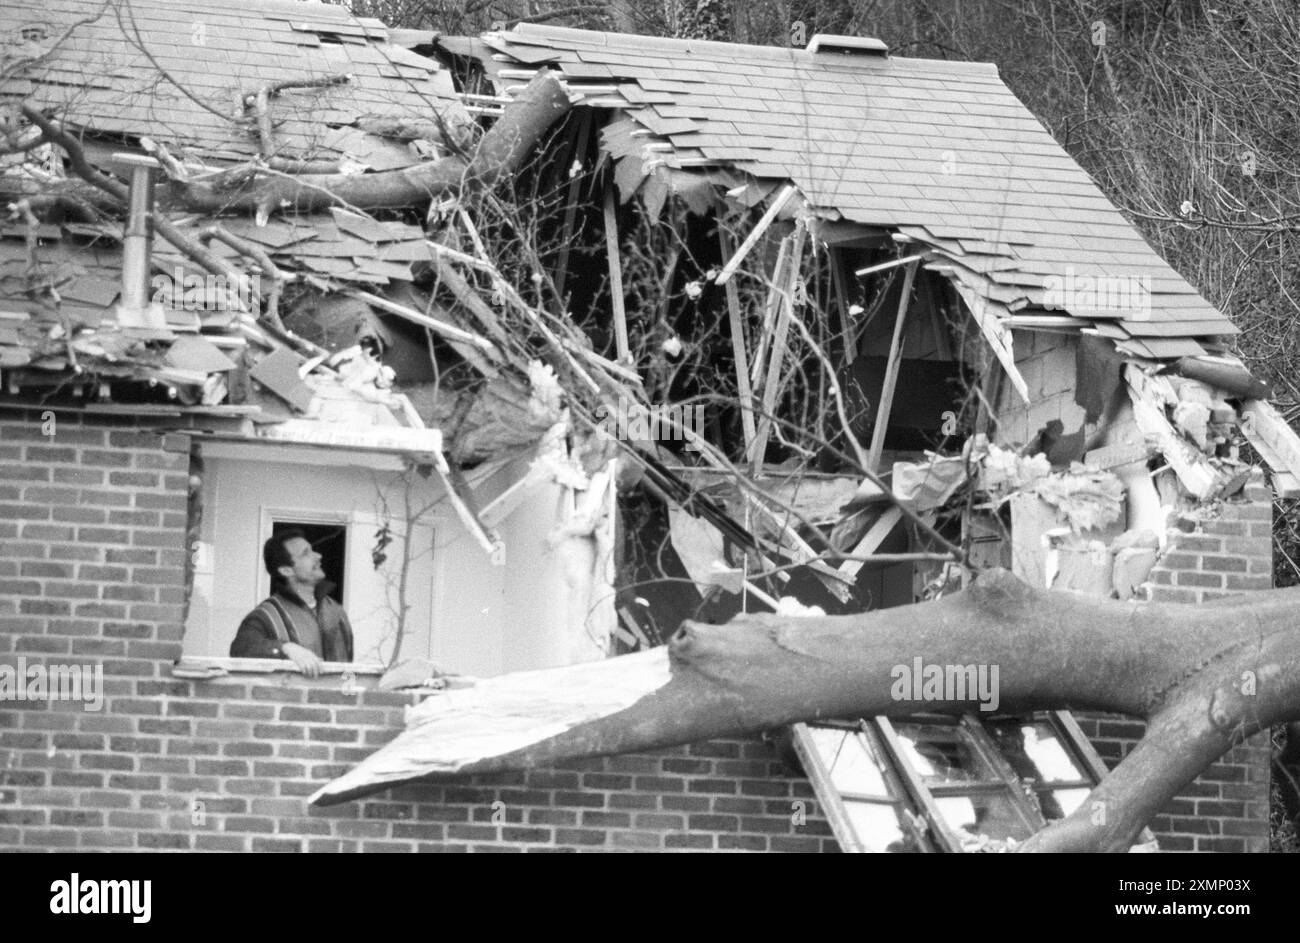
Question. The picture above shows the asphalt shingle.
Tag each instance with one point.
(161, 67)
(941, 147)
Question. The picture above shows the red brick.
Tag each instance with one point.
(687, 840)
(572, 836)
(642, 841)
(1200, 542)
(1209, 580)
(79, 515)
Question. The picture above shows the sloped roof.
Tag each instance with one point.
(939, 151)
(178, 71)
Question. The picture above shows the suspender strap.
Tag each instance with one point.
(281, 622)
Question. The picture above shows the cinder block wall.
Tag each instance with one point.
(92, 534)
(1226, 809)
(1047, 363)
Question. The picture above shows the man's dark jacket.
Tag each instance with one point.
(282, 616)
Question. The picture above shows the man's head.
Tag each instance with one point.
(290, 559)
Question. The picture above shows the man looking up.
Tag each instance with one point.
(298, 621)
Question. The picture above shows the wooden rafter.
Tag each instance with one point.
(738, 351)
(616, 298)
(751, 240)
(891, 372)
(783, 300)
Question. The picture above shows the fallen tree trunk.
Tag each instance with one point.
(1203, 677)
(502, 150)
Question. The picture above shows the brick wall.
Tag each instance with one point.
(92, 530)
(228, 765)
(1226, 809)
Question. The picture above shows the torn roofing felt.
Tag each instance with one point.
(183, 73)
(938, 151)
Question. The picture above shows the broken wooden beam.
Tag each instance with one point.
(616, 299)
(739, 354)
(1277, 444)
(995, 332)
(469, 345)
(756, 233)
(783, 295)
(571, 204)
(462, 500)
(892, 263)
(847, 326)
(1150, 395)
(873, 538)
(892, 366)
(769, 314)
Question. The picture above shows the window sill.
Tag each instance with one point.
(208, 667)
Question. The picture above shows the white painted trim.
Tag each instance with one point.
(266, 516)
(295, 454)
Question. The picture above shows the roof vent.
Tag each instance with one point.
(848, 45)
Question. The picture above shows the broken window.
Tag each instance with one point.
(935, 783)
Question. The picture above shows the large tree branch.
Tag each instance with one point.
(500, 153)
(1204, 677)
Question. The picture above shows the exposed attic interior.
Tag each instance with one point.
(782, 312)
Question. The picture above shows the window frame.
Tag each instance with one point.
(234, 449)
(916, 800)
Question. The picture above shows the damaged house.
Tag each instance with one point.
(550, 340)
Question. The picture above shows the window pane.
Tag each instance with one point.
(943, 754)
(990, 815)
(1059, 803)
(851, 768)
(878, 828)
(1035, 752)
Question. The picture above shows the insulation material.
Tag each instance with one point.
(1046, 551)
(926, 486)
(1004, 471)
(1086, 500)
